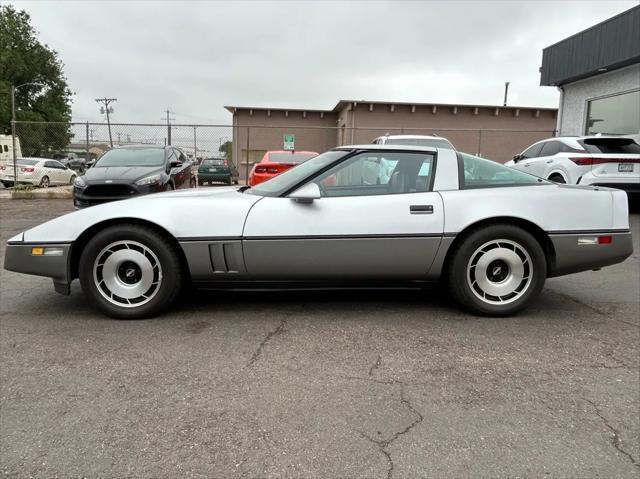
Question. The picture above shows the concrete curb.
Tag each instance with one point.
(60, 193)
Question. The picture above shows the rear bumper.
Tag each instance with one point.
(18, 258)
(226, 177)
(630, 184)
(571, 257)
(257, 178)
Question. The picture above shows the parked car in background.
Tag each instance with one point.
(492, 234)
(6, 149)
(71, 161)
(414, 140)
(127, 171)
(42, 172)
(585, 160)
(217, 169)
(275, 162)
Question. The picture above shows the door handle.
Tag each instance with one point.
(421, 209)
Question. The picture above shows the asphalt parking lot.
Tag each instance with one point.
(350, 384)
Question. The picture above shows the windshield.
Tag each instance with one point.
(291, 157)
(433, 142)
(294, 176)
(131, 157)
(610, 145)
(214, 162)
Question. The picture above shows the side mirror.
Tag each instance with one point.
(175, 164)
(306, 193)
(517, 158)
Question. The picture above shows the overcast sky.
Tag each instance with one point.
(196, 57)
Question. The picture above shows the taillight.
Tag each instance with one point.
(226, 163)
(273, 169)
(586, 240)
(585, 161)
(260, 169)
(27, 170)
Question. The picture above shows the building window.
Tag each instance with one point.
(614, 115)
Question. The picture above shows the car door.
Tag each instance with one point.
(53, 172)
(544, 162)
(64, 174)
(181, 173)
(528, 157)
(391, 228)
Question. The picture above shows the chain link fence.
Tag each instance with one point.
(46, 146)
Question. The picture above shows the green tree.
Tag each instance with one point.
(226, 149)
(23, 59)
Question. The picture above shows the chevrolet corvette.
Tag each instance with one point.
(365, 215)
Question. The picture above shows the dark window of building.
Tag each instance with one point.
(614, 115)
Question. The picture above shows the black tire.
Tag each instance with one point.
(167, 277)
(557, 179)
(44, 182)
(470, 279)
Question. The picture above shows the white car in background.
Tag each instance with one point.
(612, 161)
(42, 172)
(414, 140)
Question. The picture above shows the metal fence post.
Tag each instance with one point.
(246, 173)
(88, 158)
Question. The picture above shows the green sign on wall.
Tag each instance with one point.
(289, 142)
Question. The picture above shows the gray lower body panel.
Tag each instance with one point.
(18, 258)
(311, 259)
(572, 257)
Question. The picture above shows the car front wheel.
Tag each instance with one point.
(497, 270)
(130, 271)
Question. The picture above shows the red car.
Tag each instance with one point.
(275, 162)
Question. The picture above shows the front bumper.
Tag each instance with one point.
(82, 200)
(571, 257)
(18, 258)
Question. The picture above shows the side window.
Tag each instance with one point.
(50, 164)
(6, 148)
(378, 173)
(550, 148)
(59, 165)
(180, 156)
(481, 173)
(171, 156)
(533, 151)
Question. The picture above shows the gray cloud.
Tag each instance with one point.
(195, 57)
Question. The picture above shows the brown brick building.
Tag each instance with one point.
(496, 132)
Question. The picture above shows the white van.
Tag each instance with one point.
(6, 149)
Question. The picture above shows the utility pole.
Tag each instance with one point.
(107, 109)
(168, 118)
(506, 92)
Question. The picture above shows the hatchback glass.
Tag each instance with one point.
(214, 162)
(290, 157)
(610, 145)
(434, 143)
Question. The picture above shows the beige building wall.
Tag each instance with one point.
(497, 133)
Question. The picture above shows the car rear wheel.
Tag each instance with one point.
(557, 179)
(130, 271)
(497, 270)
(44, 182)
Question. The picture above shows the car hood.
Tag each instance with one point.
(120, 173)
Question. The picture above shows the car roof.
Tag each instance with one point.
(35, 158)
(413, 137)
(388, 147)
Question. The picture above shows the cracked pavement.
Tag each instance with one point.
(394, 384)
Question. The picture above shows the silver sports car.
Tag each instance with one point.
(369, 215)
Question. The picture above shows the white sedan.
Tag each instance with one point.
(612, 161)
(42, 172)
(491, 233)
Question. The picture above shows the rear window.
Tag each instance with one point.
(434, 143)
(610, 145)
(214, 162)
(20, 161)
(291, 157)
